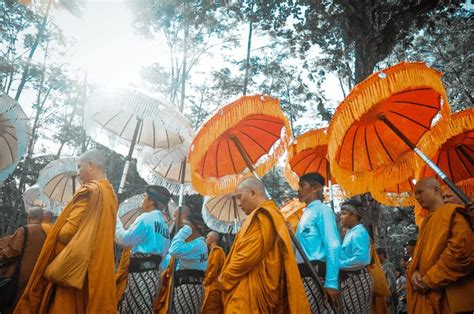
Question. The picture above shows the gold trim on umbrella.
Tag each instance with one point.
(367, 95)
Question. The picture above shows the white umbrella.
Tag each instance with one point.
(59, 181)
(121, 119)
(165, 167)
(14, 135)
(221, 213)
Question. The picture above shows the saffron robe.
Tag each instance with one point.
(260, 275)
(444, 256)
(75, 270)
(212, 302)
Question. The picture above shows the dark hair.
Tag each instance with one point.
(358, 207)
(160, 196)
(198, 222)
(313, 178)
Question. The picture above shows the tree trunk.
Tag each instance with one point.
(32, 51)
(247, 62)
(365, 61)
(185, 56)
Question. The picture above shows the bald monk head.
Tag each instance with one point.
(35, 216)
(185, 212)
(428, 194)
(91, 166)
(449, 197)
(212, 239)
(48, 216)
(250, 194)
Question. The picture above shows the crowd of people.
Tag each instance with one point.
(170, 263)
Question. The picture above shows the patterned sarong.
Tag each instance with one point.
(139, 296)
(356, 290)
(318, 302)
(188, 299)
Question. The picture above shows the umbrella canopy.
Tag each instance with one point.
(58, 181)
(399, 195)
(292, 212)
(365, 153)
(130, 209)
(111, 118)
(32, 197)
(221, 213)
(249, 131)
(14, 135)
(455, 155)
(165, 167)
(308, 153)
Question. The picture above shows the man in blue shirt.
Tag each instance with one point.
(356, 282)
(318, 235)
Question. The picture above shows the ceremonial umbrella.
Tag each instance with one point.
(165, 167)
(32, 197)
(455, 155)
(130, 209)
(14, 134)
(292, 212)
(374, 133)
(221, 213)
(308, 153)
(242, 138)
(400, 194)
(121, 119)
(58, 181)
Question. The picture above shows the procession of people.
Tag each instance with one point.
(317, 257)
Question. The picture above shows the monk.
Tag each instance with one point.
(75, 269)
(212, 302)
(22, 250)
(47, 222)
(260, 274)
(443, 260)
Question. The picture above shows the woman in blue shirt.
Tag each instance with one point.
(149, 240)
(356, 282)
(189, 252)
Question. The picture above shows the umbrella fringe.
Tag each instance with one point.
(66, 165)
(291, 177)
(227, 184)
(394, 199)
(228, 117)
(375, 89)
(12, 111)
(219, 225)
(459, 122)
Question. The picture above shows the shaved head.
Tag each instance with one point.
(428, 193)
(95, 156)
(35, 215)
(250, 194)
(254, 184)
(212, 239)
(91, 166)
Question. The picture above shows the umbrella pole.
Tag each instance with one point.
(176, 225)
(121, 190)
(73, 185)
(313, 274)
(331, 192)
(425, 158)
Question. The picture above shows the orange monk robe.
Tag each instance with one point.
(260, 274)
(162, 302)
(47, 227)
(77, 259)
(121, 276)
(212, 302)
(444, 255)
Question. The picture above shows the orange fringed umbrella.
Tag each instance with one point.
(374, 131)
(455, 155)
(399, 195)
(251, 132)
(308, 153)
(292, 212)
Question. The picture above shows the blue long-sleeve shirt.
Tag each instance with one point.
(190, 255)
(317, 233)
(355, 248)
(148, 234)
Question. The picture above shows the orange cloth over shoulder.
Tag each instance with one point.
(444, 255)
(260, 274)
(121, 276)
(212, 302)
(77, 259)
(162, 299)
(46, 227)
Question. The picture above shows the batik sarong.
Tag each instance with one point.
(356, 291)
(139, 296)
